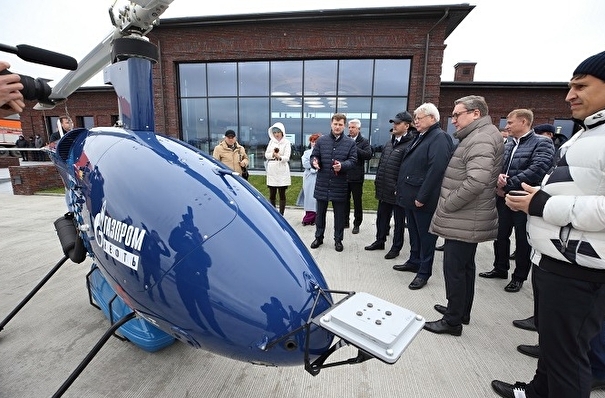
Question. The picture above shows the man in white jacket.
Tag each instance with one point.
(566, 228)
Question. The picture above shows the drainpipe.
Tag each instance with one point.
(426, 53)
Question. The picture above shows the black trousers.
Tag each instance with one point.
(568, 314)
(459, 273)
(355, 191)
(507, 220)
(422, 242)
(383, 224)
(339, 219)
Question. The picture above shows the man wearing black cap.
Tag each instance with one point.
(548, 130)
(231, 153)
(386, 183)
(566, 226)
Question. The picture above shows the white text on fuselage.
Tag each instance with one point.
(115, 236)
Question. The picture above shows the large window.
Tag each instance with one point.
(248, 97)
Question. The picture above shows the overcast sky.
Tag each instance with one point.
(510, 40)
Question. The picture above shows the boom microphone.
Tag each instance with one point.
(41, 56)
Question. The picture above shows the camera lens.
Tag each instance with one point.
(33, 89)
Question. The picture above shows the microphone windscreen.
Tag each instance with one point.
(45, 57)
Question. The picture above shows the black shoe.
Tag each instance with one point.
(316, 243)
(347, 226)
(338, 246)
(442, 327)
(355, 230)
(505, 389)
(417, 283)
(405, 267)
(391, 254)
(529, 350)
(439, 248)
(442, 309)
(375, 246)
(526, 324)
(494, 274)
(512, 255)
(514, 286)
(597, 384)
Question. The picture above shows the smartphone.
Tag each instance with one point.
(518, 193)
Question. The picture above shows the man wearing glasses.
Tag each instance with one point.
(466, 212)
(418, 185)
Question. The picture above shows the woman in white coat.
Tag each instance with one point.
(278, 169)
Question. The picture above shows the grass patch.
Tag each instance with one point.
(260, 182)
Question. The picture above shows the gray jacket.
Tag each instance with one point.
(466, 210)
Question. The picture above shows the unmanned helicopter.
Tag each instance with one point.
(159, 219)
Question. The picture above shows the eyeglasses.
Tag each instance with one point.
(420, 118)
(457, 114)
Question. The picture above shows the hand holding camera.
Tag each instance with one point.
(11, 98)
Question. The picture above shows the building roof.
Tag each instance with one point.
(455, 14)
(504, 85)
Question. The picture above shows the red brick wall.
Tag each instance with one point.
(262, 40)
(101, 104)
(8, 161)
(547, 101)
(27, 180)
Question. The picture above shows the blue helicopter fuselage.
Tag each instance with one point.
(192, 247)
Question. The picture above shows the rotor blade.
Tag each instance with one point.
(88, 67)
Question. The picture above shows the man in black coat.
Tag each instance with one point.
(333, 156)
(386, 185)
(356, 175)
(418, 187)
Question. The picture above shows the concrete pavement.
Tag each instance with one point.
(44, 343)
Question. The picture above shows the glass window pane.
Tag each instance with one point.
(192, 79)
(254, 122)
(222, 79)
(194, 119)
(254, 78)
(286, 78)
(355, 77)
(384, 109)
(392, 77)
(320, 78)
(222, 116)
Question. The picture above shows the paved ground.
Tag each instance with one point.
(44, 343)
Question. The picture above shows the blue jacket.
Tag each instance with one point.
(330, 186)
(422, 168)
(531, 161)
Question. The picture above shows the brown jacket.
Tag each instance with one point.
(230, 157)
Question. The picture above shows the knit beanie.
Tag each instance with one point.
(594, 66)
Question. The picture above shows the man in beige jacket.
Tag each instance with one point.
(466, 212)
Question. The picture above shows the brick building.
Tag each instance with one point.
(245, 72)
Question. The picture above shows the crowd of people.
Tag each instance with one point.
(550, 190)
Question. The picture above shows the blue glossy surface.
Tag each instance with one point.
(194, 249)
